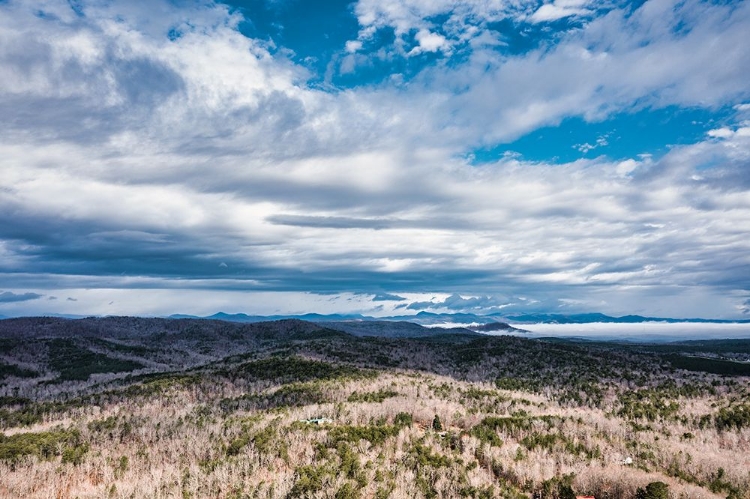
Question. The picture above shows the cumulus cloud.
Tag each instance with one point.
(728, 133)
(429, 42)
(720, 133)
(353, 46)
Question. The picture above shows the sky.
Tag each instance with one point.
(376, 156)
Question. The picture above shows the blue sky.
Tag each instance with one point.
(375, 156)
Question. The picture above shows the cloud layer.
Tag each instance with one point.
(153, 146)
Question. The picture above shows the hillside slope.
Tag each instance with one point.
(129, 407)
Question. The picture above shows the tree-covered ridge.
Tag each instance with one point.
(235, 410)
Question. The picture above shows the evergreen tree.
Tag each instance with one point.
(436, 424)
(654, 490)
(565, 492)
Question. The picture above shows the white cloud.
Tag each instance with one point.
(353, 46)
(194, 151)
(560, 9)
(585, 147)
(463, 23)
(614, 62)
(720, 133)
(626, 167)
(429, 42)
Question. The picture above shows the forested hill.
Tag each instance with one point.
(134, 407)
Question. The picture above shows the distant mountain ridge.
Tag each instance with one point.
(240, 317)
(461, 319)
(597, 317)
(197, 327)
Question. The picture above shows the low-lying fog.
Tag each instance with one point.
(645, 331)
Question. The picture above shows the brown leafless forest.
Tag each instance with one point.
(157, 408)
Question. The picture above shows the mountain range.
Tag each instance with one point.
(459, 319)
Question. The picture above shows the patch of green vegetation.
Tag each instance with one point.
(30, 413)
(384, 492)
(266, 439)
(654, 490)
(524, 429)
(320, 334)
(153, 384)
(714, 366)
(44, 445)
(403, 419)
(103, 425)
(512, 425)
(475, 393)
(77, 364)
(244, 437)
(517, 384)
(375, 434)
(551, 441)
(122, 466)
(309, 480)
(112, 427)
(541, 440)
(377, 397)
(697, 346)
(27, 412)
(74, 454)
(120, 347)
(558, 487)
(486, 431)
(290, 395)
(14, 401)
(236, 445)
(487, 492)
(647, 404)
(296, 395)
(719, 484)
(443, 390)
(8, 370)
(349, 465)
(733, 417)
(468, 354)
(313, 478)
(347, 491)
(296, 369)
(7, 345)
(420, 455)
